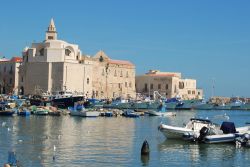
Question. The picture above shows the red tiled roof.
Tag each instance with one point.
(123, 62)
(16, 59)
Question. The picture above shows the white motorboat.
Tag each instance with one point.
(162, 114)
(205, 131)
(91, 114)
(192, 127)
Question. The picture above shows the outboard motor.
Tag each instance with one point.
(243, 141)
(203, 133)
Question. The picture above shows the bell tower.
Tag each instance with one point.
(51, 33)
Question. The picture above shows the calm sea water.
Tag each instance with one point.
(76, 141)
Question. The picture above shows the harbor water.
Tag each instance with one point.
(115, 141)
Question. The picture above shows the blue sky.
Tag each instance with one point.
(202, 39)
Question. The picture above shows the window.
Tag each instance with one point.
(193, 92)
(126, 85)
(181, 85)
(127, 74)
(10, 81)
(159, 86)
(50, 37)
(130, 84)
(166, 87)
(151, 86)
(21, 79)
(115, 74)
(67, 52)
(41, 52)
(4, 69)
(199, 93)
(121, 74)
(87, 80)
(101, 59)
(119, 85)
(189, 92)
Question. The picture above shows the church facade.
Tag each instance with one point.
(55, 65)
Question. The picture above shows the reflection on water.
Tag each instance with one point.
(75, 141)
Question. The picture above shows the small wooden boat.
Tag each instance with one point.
(23, 112)
(41, 111)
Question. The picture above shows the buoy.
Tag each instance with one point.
(145, 148)
(145, 153)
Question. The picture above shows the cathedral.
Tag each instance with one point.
(54, 65)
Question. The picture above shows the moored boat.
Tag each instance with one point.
(23, 112)
(5, 111)
(80, 110)
(193, 126)
(161, 111)
(41, 111)
(130, 114)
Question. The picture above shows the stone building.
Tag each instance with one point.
(167, 84)
(112, 78)
(55, 65)
(9, 79)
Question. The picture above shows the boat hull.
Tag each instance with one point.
(66, 102)
(6, 113)
(163, 114)
(24, 113)
(172, 132)
(224, 138)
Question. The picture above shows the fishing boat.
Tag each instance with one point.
(236, 104)
(65, 99)
(245, 106)
(203, 105)
(222, 106)
(80, 110)
(173, 102)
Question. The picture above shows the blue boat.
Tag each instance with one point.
(108, 114)
(4, 111)
(24, 112)
(130, 114)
